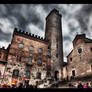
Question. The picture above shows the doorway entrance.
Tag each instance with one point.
(56, 75)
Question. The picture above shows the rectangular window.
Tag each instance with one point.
(0, 55)
(73, 72)
(15, 73)
(19, 58)
(38, 76)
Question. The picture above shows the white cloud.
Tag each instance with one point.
(65, 28)
(4, 44)
(35, 30)
(67, 48)
(5, 25)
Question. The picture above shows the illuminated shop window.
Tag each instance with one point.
(15, 73)
(40, 50)
(29, 59)
(39, 62)
(21, 45)
(31, 48)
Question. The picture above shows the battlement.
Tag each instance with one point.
(29, 35)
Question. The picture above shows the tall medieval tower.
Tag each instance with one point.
(53, 34)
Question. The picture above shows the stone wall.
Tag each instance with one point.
(80, 61)
(23, 65)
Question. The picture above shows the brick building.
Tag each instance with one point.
(80, 58)
(3, 62)
(30, 57)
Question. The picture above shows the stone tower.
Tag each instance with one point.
(53, 33)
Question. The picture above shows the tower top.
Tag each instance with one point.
(54, 11)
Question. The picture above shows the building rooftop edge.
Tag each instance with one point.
(18, 31)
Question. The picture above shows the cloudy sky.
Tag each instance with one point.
(76, 19)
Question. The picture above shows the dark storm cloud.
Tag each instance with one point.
(24, 15)
(5, 36)
(67, 38)
(16, 11)
(83, 16)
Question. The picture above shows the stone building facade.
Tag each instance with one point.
(30, 57)
(80, 58)
(3, 62)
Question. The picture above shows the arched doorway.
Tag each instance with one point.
(56, 74)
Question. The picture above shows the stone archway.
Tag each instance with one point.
(56, 75)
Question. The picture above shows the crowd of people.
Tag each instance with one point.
(80, 85)
(21, 85)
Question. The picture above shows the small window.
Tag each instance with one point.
(39, 62)
(38, 76)
(40, 50)
(80, 50)
(49, 53)
(19, 58)
(91, 49)
(21, 45)
(73, 72)
(31, 48)
(15, 73)
(29, 59)
(70, 59)
(28, 74)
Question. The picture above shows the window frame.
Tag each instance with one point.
(79, 50)
(31, 48)
(38, 62)
(40, 50)
(15, 75)
(30, 59)
(20, 45)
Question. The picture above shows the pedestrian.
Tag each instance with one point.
(70, 85)
(80, 85)
(20, 85)
(84, 86)
(75, 85)
(88, 85)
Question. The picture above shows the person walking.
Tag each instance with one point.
(80, 85)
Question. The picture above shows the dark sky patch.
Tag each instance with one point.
(5, 36)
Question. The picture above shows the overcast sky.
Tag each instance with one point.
(76, 19)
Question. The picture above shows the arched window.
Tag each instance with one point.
(15, 73)
(21, 45)
(39, 62)
(31, 48)
(40, 50)
(70, 59)
(29, 59)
